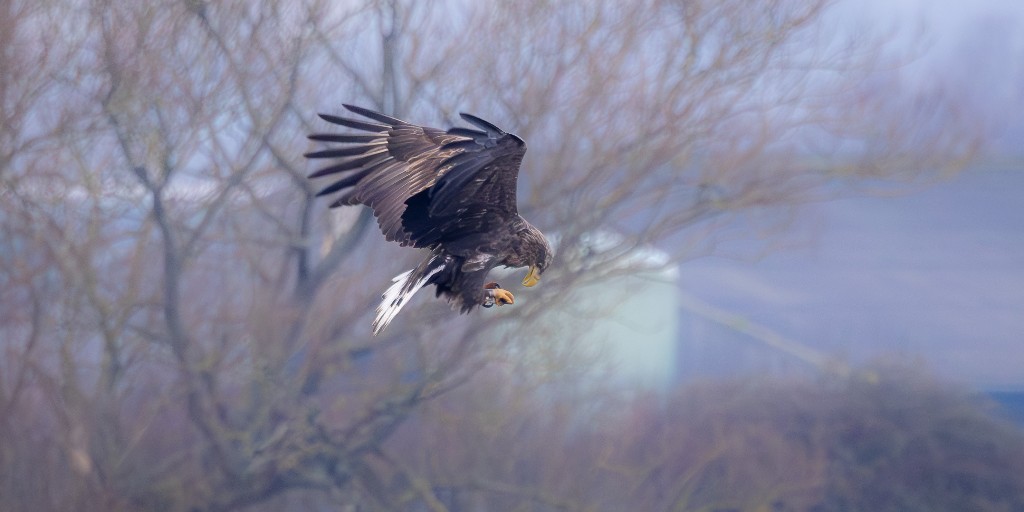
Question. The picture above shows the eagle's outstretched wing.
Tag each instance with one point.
(425, 186)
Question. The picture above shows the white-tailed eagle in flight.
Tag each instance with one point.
(451, 192)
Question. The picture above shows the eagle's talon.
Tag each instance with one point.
(502, 297)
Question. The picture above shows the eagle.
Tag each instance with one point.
(451, 192)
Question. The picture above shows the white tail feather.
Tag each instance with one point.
(397, 296)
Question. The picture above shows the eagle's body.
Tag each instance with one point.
(451, 192)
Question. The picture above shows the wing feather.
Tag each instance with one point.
(354, 123)
(370, 149)
(342, 137)
(347, 181)
(361, 162)
(376, 116)
(466, 178)
(492, 131)
(462, 145)
(466, 132)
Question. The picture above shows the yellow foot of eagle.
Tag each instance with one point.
(497, 295)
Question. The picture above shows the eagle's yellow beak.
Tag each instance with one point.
(532, 277)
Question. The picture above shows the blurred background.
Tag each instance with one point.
(789, 271)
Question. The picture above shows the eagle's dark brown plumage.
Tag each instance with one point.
(452, 192)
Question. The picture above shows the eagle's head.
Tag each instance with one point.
(536, 253)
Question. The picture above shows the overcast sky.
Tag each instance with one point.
(976, 48)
